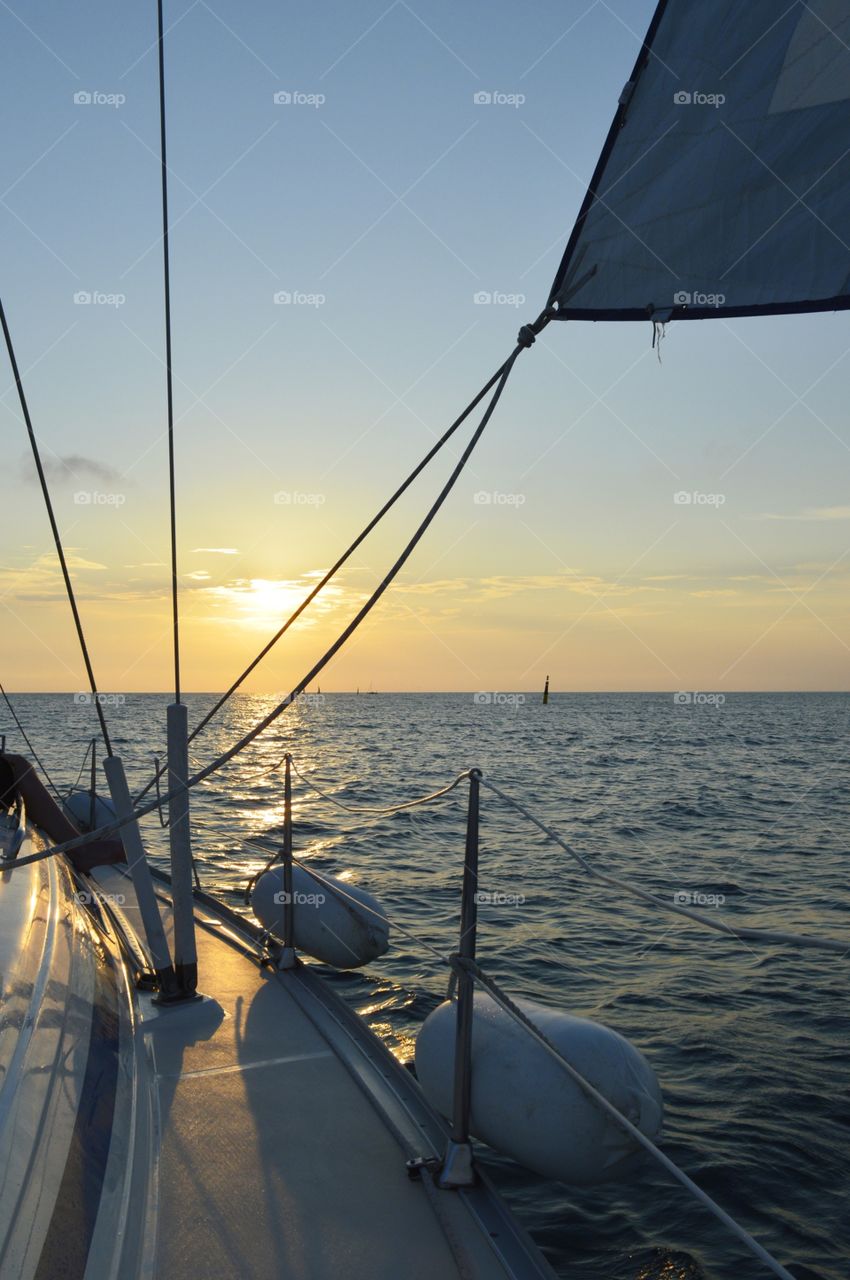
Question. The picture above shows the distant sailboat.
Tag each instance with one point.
(686, 165)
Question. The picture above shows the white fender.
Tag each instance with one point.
(327, 925)
(527, 1106)
(78, 808)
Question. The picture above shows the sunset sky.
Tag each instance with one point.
(380, 200)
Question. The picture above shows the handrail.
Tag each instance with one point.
(457, 1166)
(468, 968)
(744, 934)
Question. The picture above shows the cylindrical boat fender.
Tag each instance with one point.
(77, 806)
(526, 1106)
(328, 925)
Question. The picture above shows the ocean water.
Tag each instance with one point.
(744, 805)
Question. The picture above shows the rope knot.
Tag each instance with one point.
(526, 336)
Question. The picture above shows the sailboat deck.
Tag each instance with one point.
(283, 1139)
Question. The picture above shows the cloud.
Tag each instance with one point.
(816, 514)
(71, 467)
(42, 580)
(216, 551)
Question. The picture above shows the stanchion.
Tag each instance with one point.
(185, 951)
(457, 1169)
(137, 863)
(287, 958)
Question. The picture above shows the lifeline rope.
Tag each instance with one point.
(33, 751)
(55, 530)
(168, 378)
(464, 964)
(525, 339)
(741, 933)
(522, 341)
(372, 811)
(76, 783)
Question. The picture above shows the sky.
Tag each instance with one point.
(330, 250)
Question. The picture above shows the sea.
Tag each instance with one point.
(739, 806)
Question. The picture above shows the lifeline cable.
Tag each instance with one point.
(346, 555)
(33, 751)
(55, 529)
(526, 338)
(168, 378)
(469, 966)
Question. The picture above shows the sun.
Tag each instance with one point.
(265, 603)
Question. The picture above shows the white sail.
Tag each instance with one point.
(724, 185)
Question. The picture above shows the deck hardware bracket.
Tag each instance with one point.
(457, 1169)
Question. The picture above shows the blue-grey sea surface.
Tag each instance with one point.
(744, 805)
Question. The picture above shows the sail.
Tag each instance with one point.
(724, 185)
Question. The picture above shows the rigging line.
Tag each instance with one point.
(335, 568)
(335, 888)
(76, 783)
(32, 749)
(462, 963)
(57, 540)
(743, 934)
(525, 339)
(374, 811)
(168, 378)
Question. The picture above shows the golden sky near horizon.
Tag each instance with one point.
(505, 632)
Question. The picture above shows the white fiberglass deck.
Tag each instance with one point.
(284, 1136)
